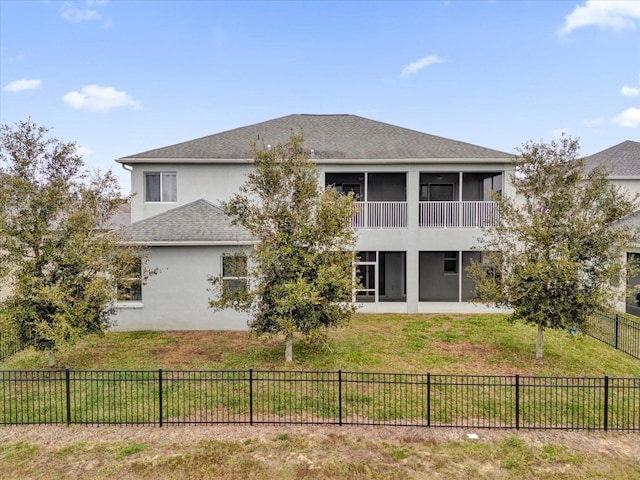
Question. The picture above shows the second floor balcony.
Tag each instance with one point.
(479, 214)
(380, 215)
(396, 200)
(470, 214)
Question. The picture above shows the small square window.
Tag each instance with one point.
(450, 262)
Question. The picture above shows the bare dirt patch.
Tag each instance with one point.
(58, 436)
(193, 347)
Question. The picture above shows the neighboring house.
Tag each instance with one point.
(623, 163)
(423, 203)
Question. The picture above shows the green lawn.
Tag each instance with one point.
(438, 343)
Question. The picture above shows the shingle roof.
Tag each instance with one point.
(631, 220)
(330, 137)
(121, 218)
(623, 159)
(198, 222)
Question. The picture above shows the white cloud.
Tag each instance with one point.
(592, 122)
(100, 99)
(83, 151)
(17, 58)
(23, 85)
(85, 12)
(420, 64)
(629, 118)
(630, 91)
(614, 14)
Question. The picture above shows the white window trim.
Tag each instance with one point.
(246, 266)
(162, 174)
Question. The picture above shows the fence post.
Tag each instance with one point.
(160, 395)
(617, 329)
(606, 402)
(428, 399)
(340, 397)
(517, 401)
(67, 382)
(251, 396)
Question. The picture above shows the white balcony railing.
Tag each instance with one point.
(380, 215)
(458, 214)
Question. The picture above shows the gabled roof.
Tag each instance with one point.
(196, 223)
(121, 218)
(328, 137)
(631, 220)
(623, 160)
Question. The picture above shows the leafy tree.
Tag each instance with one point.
(557, 254)
(301, 270)
(60, 258)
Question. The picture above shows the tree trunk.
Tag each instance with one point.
(52, 358)
(288, 351)
(539, 343)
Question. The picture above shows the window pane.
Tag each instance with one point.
(234, 266)
(450, 262)
(440, 192)
(234, 286)
(130, 288)
(169, 187)
(152, 187)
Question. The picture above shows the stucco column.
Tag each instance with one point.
(413, 197)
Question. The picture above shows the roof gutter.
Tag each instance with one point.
(193, 243)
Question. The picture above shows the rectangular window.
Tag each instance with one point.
(160, 187)
(450, 262)
(234, 274)
(437, 192)
(129, 289)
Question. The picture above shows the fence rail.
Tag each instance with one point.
(9, 344)
(252, 397)
(617, 331)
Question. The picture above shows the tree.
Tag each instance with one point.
(557, 255)
(301, 269)
(60, 258)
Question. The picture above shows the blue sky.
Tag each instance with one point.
(122, 77)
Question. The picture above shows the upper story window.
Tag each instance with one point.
(160, 187)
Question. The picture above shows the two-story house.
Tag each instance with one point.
(423, 203)
(623, 164)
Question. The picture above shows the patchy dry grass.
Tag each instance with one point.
(462, 344)
(312, 453)
(451, 344)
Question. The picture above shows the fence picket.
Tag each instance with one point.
(342, 398)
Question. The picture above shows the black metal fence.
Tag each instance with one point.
(617, 331)
(9, 344)
(340, 398)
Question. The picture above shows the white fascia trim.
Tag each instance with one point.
(410, 161)
(135, 161)
(327, 161)
(193, 243)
